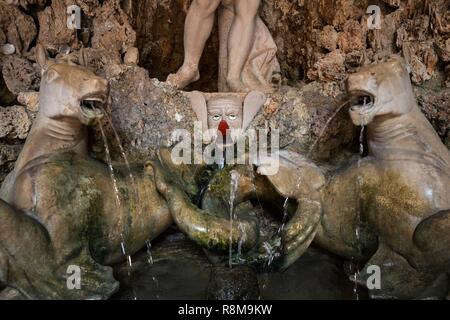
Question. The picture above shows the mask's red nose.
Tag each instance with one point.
(223, 127)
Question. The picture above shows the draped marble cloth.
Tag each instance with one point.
(262, 64)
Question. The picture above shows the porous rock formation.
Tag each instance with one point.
(131, 42)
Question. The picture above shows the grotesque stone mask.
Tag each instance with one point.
(226, 115)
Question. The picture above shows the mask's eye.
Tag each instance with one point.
(216, 117)
(232, 117)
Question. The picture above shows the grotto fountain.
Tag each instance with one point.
(125, 178)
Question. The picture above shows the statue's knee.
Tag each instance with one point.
(247, 10)
(206, 6)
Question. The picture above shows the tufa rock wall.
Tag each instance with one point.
(320, 43)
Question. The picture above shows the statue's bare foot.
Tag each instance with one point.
(184, 77)
(236, 85)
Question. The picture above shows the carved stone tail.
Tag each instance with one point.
(299, 233)
(298, 178)
(208, 229)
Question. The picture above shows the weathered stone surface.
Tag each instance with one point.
(144, 111)
(447, 75)
(112, 31)
(7, 49)
(88, 6)
(393, 3)
(20, 74)
(53, 31)
(25, 3)
(29, 99)
(305, 119)
(440, 16)
(301, 29)
(327, 38)
(353, 37)
(443, 49)
(8, 156)
(418, 49)
(435, 104)
(329, 68)
(131, 56)
(381, 41)
(17, 28)
(14, 123)
(97, 60)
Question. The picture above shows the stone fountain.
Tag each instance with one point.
(77, 224)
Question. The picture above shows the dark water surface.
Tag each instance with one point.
(182, 271)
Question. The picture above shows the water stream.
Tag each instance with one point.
(127, 163)
(285, 216)
(118, 201)
(233, 188)
(324, 129)
(360, 181)
(133, 183)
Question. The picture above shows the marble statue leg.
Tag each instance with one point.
(240, 41)
(197, 29)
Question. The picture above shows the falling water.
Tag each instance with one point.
(118, 201)
(270, 254)
(324, 129)
(285, 216)
(269, 248)
(151, 262)
(156, 282)
(149, 253)
(241, 239)
(255, 190)
(130, 176)
(233, 189)
(358, 215)
(137, 195)
(127, 163)
(221, 162)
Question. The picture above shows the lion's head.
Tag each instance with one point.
(69, 90)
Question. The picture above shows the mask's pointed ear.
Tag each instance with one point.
(41, 56)
(253, 102)
(82, 58)
(198, 104)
